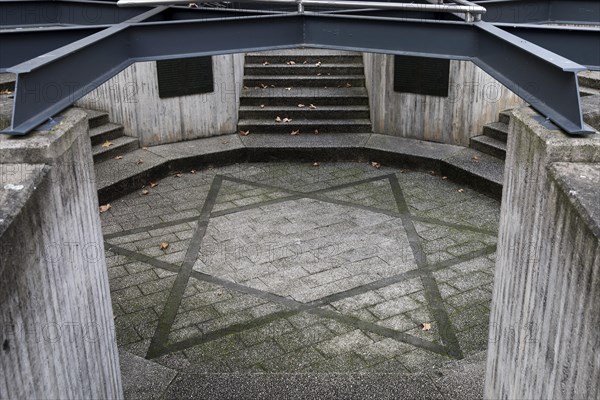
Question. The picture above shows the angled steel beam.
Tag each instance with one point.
(544, 79)
(547, 81)
(43, 13)
(542, 11)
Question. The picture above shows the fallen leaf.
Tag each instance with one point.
(266, 63)
(319, 74)
(192, 5)
(164, 246)
(262, 106)
(316, 131)
(262, 85)
(245, 87)
(105, 208)
(318, 64)
(288, 88)
(144, 148)
(107, 144)
(375, 164)
(139, 161)
(244, 133)
(272, 85)
(402, 171)
(316, 164)
(277, 119)
(193, 171)
(312, 107)
(287, 120)
(348, 85)
(305, 62)
(178, 175)
(300, 105)
(296, 132)
(461, 190)
(444, 177)
(426, 327)
(291, 63)
(118, 157)
(5, 91)
(432, 172)
(475, 157)
(153, 184)
(145, 192)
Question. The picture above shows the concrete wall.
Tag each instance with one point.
(475, 98)
(56, 321)
(545, 317)
(131, 98)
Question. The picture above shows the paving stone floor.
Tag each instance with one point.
(291, 267)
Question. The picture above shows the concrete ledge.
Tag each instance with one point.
(116, 178)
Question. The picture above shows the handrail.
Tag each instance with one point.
(459, 6)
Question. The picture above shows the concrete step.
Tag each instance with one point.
(304, 69)
(504, 117)
(496, 130)
(306, 126)
(97, 118)
(102, 133)
(588, 91)
(475, 169)
(321, 112)
(309, 58)
(341, 81)
(294, 96)
(589, 79)
(119, 146)
(489, 145)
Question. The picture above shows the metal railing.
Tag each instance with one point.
(471, 11)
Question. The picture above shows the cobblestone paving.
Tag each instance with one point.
(290, 267)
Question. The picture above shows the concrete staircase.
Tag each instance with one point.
(318, 91)
(494, 137)
(108, 139)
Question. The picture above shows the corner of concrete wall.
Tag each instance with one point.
(543, 331)
(131, 99)
(475, 99)
(56, 317)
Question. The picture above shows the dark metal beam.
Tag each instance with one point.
(581, 45)
(542, 11)
(18, 46)
(544, 79)
(547, 81)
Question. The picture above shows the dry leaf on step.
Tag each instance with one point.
(426, 327)
(312, 107)
(105, 208)
(107, 144)
(300, 105)
(375, 164)
(164, 246)
(118, 157)
(461, 190)
(145, 192)
(296, 132)
(277, 119)
(153, 184)
(244, 133)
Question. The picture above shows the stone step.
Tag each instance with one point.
(588, 91)
(278, 58)
(321, 112)
(285, 81)
(119, 146)
(306, 126)
(504, 117)
(589, 79)
(97, 118)
(102, 133)
(305, 69)
(294, 96)
(496, 130)
(7, 82)
(475, 169)
(489, 145)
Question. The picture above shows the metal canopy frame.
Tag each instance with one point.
(62, 50)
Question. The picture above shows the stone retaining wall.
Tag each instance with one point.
(56, 321)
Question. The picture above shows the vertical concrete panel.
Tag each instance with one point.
(544, 335)
(474, 99)
(56, 317)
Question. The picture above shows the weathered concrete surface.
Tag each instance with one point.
(131, 98)
(544, 322)
(474, 99)
(55, 316)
